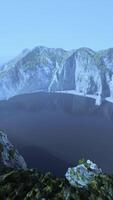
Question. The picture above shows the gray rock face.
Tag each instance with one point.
(83, 174)
(9, 156)
(47, 69)
(82, 72)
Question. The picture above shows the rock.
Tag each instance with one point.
(9, 155)
(47, 69)
(83, 174)
(98, 101)
(31, 185)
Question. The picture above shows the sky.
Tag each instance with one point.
(68, 24)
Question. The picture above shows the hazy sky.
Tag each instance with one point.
(68, 24)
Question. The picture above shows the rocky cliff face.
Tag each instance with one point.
(83, 71)
(9, 156)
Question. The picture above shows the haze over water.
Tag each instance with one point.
(52, 133)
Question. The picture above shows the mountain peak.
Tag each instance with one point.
(85, 50)
(54, 69)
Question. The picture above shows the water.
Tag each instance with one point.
(54, 131)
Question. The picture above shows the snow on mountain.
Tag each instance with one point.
(48, 69)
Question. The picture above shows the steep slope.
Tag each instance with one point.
(48, 69)
(85, 181)
(9, 156)
(32, 185)
(31, 71)
(84, 73)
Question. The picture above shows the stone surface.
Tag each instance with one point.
(47, 69)
(83, 174)
(32, 185)
(9, 155)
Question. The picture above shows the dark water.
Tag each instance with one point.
(53, 131)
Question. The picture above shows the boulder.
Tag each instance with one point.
(83, 174)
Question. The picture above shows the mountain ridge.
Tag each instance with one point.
(82, 70)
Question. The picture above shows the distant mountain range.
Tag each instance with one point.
(82, 71)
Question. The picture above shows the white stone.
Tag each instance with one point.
(83, 174)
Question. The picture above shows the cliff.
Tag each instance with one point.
(82, 71)
(9, 155)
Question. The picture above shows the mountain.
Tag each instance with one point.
(82, 71)
(9, 156)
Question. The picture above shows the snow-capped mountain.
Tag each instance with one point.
(82, 71)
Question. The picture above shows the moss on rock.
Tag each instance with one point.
(32, 185)
(1, 149)
(12, 153)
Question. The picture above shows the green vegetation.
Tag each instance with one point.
(1, 149)
(12, 152)
(81, 161)
(32, 185)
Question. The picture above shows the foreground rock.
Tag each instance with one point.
(32, 185)
(19, 183)
(9, 156)
(83, 174)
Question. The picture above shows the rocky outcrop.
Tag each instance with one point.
(83, 174)
(32, 185)
(86, 181)
(32, 72)
(46, 69)
(9, 156)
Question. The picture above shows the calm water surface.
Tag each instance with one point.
(53, 132)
